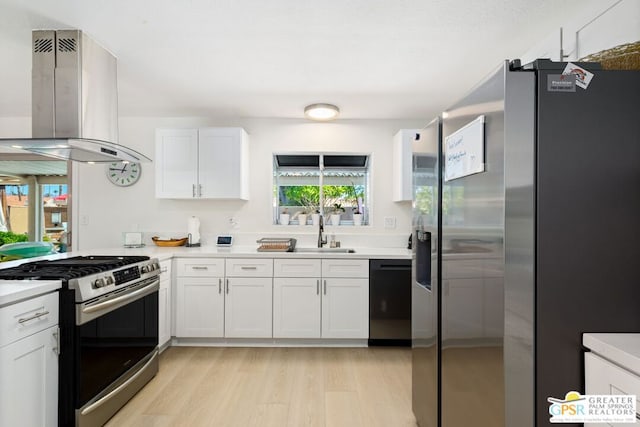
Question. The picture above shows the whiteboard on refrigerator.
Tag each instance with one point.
(464, 150)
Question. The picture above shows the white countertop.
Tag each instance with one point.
(163, 253)
(12, 291)
(621, 349)
(252, 252)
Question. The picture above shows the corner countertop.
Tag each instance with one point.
(13, 291)
(621, 349)
(165, 253)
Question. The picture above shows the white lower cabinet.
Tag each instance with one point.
(345, 308)
(267, 298)
(248, 307)
(603, 377)
(212, 304)
(333, 304)
(199, 307)
(248, 298)
(164, 304)
(29, 363)
(199, 298)
(296, 307)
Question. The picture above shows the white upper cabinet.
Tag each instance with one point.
(176, 163)
(223, 163)
(207, 163)
(403, 165)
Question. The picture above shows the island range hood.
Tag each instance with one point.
(74, 101)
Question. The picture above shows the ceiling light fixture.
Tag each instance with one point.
(321, 112)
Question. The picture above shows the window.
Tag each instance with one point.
(321, 183)
(33, 198)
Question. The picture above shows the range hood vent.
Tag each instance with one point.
(74, 101)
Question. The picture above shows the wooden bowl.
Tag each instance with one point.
(170, 242)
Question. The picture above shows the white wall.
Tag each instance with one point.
(601, 26)
(15, 127)
(105, 211)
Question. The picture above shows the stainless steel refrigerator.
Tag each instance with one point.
(533, 242)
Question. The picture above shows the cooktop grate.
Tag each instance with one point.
(69, 268)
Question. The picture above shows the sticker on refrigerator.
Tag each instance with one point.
(583, 77)
(464, 150)
(561, 83)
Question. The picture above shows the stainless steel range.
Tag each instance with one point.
(108, 331)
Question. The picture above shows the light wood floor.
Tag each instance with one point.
(238, 387)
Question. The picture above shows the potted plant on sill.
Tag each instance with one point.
(357, 216)
(357, 195)
(315, 216)
(302, 217)
(284, 217)
(336, 213)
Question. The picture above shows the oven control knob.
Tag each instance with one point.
(98, 283)
(144, 269)
(109, 280)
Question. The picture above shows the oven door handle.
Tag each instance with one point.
(98, 403)
(121, 299)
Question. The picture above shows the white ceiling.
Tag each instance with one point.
(401, 59)
(26, 168)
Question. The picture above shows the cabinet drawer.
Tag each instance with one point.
(200, 267)
(604, 377)
(28, 317)
(345, 268)
(296, 268)
(246, 267)
(165, 269)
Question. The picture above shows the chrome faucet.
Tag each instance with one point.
(321, 241)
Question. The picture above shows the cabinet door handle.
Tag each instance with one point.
(227, 286)
(200, 267)
(56, 335)
(219, 286)
(193, 190)
(318, 287)
(325, 287)
(249, 268)
(199, 190)
(38, 315)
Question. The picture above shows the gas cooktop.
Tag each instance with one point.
(89, 276)
(69, 268)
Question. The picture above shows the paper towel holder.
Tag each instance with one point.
(191, 244)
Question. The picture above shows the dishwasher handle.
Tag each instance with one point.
(392, 268)
(390, 264)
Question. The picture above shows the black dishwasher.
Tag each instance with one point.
(390, 302)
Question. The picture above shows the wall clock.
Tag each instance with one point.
(123, 174)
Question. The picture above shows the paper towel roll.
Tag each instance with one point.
(193, 228)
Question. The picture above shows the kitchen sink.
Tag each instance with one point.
(326, 250)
